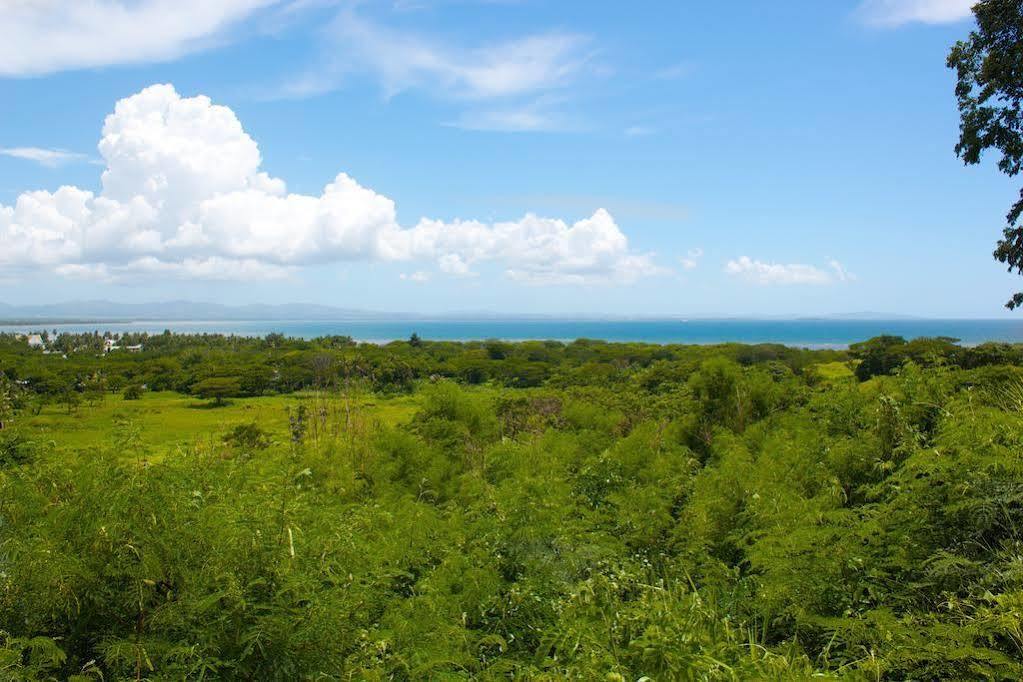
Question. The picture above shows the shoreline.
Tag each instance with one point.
(807, 333)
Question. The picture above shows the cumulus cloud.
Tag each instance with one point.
(891, 13)
(183, 195)
(44, 36)
(759, 272)
(51, 158)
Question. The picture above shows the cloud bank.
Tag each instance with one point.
(183, 195)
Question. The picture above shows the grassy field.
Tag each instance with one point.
(834, 371)
(168, 420)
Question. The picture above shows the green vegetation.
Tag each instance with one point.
(490, 510)
(217, 389)
(168, 421)
(989, 90)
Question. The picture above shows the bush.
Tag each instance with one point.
(248, 437)
(133, 392)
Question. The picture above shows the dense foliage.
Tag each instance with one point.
(582, 511)
(989, 90)
(245, 366)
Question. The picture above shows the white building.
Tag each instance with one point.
(35, 341)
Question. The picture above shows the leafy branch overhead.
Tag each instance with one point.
(989, 89)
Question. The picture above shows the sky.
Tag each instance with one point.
(495, 155)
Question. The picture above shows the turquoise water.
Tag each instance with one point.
(809, 332)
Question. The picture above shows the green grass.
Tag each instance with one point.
(833, 371)
(167, 420)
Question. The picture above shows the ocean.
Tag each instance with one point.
(810, 333)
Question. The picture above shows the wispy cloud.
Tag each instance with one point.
(46, 36)
(629, 208)
(511, 85)
(403, 60)
(536, 116)
(673, 72)
(691, 259)
(892, 13)
(639, 131)
(419, 276)
(51, 158)
(839, 271)
(764, 273)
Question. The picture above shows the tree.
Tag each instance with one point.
(989, 88)
(7, 400)
(217, 389)
(879, 355)
(95, 388)
(415, 341)
(324, 369)
(70, 398)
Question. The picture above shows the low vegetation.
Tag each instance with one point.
(492, 510)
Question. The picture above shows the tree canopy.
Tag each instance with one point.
(989, 89)
(217, 389)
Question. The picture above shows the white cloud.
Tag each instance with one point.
(213, 268)
(839, 271)
(513, 85)
(419, 276)
(691, 259)
(531, 117)
(51, 158)
(45, 36)
(183, 195)
(403, 60)
(891, 13)
(453, 264)
(759, 272)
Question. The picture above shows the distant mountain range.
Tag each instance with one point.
(107, 311)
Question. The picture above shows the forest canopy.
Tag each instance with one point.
(486, 510)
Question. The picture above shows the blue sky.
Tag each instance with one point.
(526, 156)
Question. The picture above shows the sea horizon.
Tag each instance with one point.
(805, 332)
